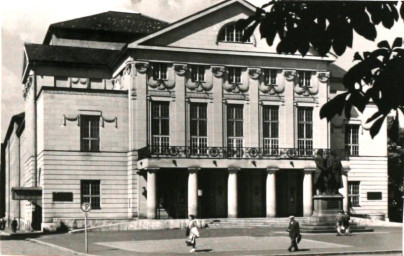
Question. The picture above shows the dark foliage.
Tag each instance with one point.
(327, 26)
(377, 77)
(319, 24)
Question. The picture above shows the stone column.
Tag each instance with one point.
(193, 191)
(344, 190)
(271, 192)
(232, 193)
(151, 192)
(308, 192)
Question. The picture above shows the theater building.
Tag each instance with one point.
(146, 119)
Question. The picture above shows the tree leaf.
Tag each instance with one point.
(402, 11)
(249, 31)
(398, 42)
(383, 44)
(374, 116)
(374, 130)
(333, 107)
(357, 56)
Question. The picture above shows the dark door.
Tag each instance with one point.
(251, 193)
(289, 193)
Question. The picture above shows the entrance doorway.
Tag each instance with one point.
(172, 194)
(36, 217)
(289, 193)
(212, 196)
(251, 193)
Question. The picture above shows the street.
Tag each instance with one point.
(242, 241)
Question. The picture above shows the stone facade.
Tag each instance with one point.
(137, 170)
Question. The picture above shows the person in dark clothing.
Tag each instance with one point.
(14, 225)
(334, 168)
(2, 224)
(320, 172)
(294, 233)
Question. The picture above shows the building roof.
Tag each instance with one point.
(336, 71)
(194, 16)
(18, 119)
(133, 25)
(68, 54)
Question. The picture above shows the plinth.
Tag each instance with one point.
(323, 220)
(326, 208)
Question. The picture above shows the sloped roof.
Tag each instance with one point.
(67, 54)
(336, 71)
(192, 17)
(19, 118)
(134, 24)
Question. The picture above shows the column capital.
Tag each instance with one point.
(194, 169)
(272, 170)
(151, 170)
(233, 169)
(309, 170)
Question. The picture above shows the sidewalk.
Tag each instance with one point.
(248, 241)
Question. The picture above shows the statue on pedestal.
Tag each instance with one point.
(328, 175)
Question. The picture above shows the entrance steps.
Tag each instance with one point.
(252, 222)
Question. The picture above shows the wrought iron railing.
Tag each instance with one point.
(153, 151)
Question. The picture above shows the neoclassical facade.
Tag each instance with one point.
(145, 119)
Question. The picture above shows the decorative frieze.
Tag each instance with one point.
(289, 74)
(161, 84)
(142, 67)
(199, 86)
(180, 69)
(73, 118)
(254, 73)
(27, 86)
(218, 71)
(236, 87)
(323, 76)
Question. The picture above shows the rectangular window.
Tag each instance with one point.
(198, 128)
(90, 133)
(353, 193)
(235, 129)
(305, 131)
(90, 193)
(234, 75)
(270, 76)
(198, 73)
(304, 78)
(270, 118)
(159, 71)
(160, 126)
(352, 139)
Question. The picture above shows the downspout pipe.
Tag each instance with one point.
(35, 183)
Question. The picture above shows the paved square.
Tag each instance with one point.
(217, 244)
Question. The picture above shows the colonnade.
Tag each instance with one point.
(232, 192)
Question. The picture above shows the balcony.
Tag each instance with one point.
(234, 153)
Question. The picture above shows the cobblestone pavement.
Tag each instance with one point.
(247, 241)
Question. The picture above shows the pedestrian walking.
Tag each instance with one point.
(294, 234)
(339, 219)
(2, 224)
(14, 225)
(193, 232)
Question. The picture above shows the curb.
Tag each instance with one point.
(59, 247)
(338, 253)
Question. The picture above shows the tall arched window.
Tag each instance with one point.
(230, 33)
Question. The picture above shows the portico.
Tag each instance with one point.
(232, 192)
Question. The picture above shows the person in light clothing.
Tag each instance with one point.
(193, 232)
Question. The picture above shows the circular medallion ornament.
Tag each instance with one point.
(214, 152)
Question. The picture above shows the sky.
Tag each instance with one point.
(28, 21)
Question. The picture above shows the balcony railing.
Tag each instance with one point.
(234, 153)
